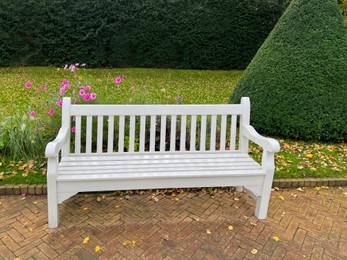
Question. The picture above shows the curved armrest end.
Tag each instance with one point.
(269, 144)
(53, 148)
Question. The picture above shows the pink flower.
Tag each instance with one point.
(77, 64)
(73, 129)
(32, 114)
(36, 90)
(65, 84)
(82, 92)
(28, 84)
(65, 67)
(88, 88)
(118, 80)
(60, 103)
(83, 65)
(72, 68)
(93, 95)
(51, 112)
(86, 97)
(125, 76)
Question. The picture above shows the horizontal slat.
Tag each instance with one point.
(155, 109)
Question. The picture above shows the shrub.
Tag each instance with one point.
(297, 80)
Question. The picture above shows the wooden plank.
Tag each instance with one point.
(193, 133)
(173, 133)
(142, 133)
(152, 134)
(84, 109)
(213, 133)
(223, 132)
(233, 132)
(183, 133)
(121, 126)
(100, 134)
(162, 133)
(132, 134)
(78, 135)
(89, 129)
(110, 133)
(203, 133)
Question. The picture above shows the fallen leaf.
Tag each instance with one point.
(324, 187)
(126, 243)
(236, 199)
(0, 163)
(281, 197)
(98, 199)
(230, 227)
(154, 198)
(85, 240)
(309, 156)
(208, 231)
(276, 188)
(43, 171)
(117, 206)
(345, 193)
(21, 168)
(104, 196)
(317, 188)
(166, 237)
(85, 209)
(299, 189)
(97, 249)
(276, 238)
(133, 242)
(253, 224)
(30, 229)
(254, 251)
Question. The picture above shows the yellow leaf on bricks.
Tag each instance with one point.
(276, 238)
(126, 243)
(254, 251)
(85, 240)
(230, 227)
(97, 249)
(30, 229)
(208, 231)
(281, 197)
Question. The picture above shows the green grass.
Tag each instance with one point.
(144, 86)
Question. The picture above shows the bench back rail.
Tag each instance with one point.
(154, 128)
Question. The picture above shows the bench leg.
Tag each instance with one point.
(52, 201)
(262, 206)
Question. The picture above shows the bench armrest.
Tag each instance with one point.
(53, 148)
(268, 144)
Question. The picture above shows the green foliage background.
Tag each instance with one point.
(193, 34)
(297, 82)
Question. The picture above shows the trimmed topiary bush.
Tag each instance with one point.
(297, 81)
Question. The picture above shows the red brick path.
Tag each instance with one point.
(310, 224)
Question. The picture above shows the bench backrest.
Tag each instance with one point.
(152, 128)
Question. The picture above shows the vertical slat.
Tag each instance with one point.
(110, 134)
(142, 133)
(89, 134)
(162, 133)
(173, 133)
(100, 134)
(193, 133)
(183, 133)
(132, 134)
(233, 132)
(213, 133)
(152, 134)
(203, 133)
(78, 135)
(121, 134)
(223, 132)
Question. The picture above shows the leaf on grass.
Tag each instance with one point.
(281, 197)
(21, 168)
(0, 163)
(43, 171)
(276, 238)
(309, 156)
(254, 251)
(85, 240)
(97, 249)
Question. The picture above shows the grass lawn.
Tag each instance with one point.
(297, 159)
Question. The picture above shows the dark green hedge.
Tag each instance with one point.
(199, 34)
(297, 81)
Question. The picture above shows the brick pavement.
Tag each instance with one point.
(310, 224)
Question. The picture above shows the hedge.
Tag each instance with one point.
(297, 80)
(204, 34)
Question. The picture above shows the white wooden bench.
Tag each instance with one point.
(127, 147)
